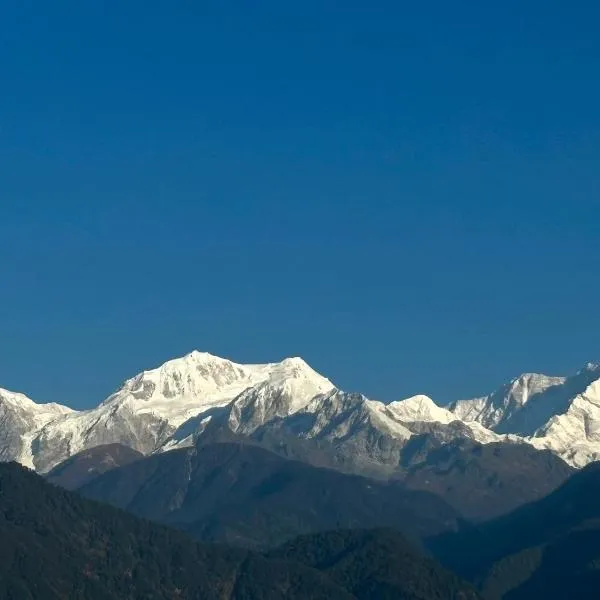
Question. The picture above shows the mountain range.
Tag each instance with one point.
(244, 495)
(201, 395)
(498, 488)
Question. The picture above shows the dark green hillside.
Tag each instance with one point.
(548, 549)
(379, 564)
(56, 545)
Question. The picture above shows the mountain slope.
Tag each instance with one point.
(183, 388)
(482, 481)
(56, 545)
(20, 419)
(479, 481)
(242, 494)
(148, 411)
(545, 549)
(359, 435)
(561, 414)
(507, 409)
(171, 407)
(204, 396)
(373, 564)
(89, 464)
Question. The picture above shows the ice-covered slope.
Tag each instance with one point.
(183, 388)
(291, 385)
(173, 405)
(575, 433)
(558, 413)
(499, 408)
(421, 408)
(150, 408)
(358, 434)
(20, 420)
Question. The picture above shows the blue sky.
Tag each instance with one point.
(406, 196)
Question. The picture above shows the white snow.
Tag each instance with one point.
(421, 408)
(168, 406)
(561, 414)
(183, 388)
(149, 407)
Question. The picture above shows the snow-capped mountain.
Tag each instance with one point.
(527, 402)
(147, 410)
(200, 395)
(558, 413)
(20, 419)
(356, 433)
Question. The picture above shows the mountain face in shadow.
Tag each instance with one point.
(56, 545)
(245, 495)
(89, 464)
(483, 481)
(480, 481)
(546, 549)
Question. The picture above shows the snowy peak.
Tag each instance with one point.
(178, 401)
(342, 417)
(20, 420)
(24, 404)
(527, 403)
(521, 389)
(299, 382)
(499, 407)
(289, 388)
(183, 388)
(151, 407)
(195, 374)
(420, 414)
(420, 408)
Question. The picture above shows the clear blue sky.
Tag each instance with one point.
(405, 194)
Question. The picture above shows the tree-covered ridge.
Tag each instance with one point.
(378, 564)
(57, 545)
(548, 549)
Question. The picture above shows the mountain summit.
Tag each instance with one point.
(289, 405)
(184, 387)
(561, 414)
(147, 410)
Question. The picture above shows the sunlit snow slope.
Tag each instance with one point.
(177, 403)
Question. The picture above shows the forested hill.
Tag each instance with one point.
(57, 545)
